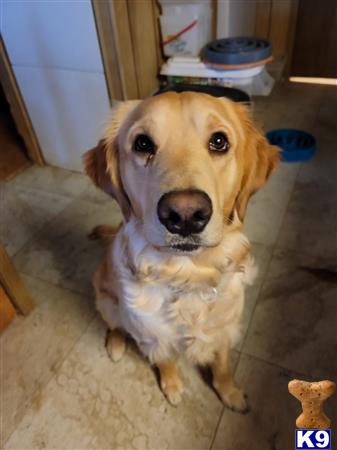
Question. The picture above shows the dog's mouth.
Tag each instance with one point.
(185, 247)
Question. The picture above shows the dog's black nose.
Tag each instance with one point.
(185, 212)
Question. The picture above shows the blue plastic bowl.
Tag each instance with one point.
(237, 50)
(296, 145)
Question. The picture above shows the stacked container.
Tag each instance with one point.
(185, 26)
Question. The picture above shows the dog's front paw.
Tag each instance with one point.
(234, 398)
(173, 389)
(115, 345)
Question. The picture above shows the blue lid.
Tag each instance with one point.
(296, 145)
(237, 50)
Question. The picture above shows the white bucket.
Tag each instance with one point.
(185, 26)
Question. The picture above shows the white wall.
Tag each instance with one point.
(53, 48)
(235, 18)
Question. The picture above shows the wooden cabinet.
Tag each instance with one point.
(13, 291)
(276, 21)
(7, 311)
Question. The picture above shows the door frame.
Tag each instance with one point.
(18, 109)
(131, 58)
(105, 20)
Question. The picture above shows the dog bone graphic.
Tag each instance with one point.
(312, 397)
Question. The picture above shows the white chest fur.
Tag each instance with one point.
(170, 305)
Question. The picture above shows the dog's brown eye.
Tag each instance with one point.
(144, 144)
(218, 143)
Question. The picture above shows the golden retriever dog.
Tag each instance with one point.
(182, 168)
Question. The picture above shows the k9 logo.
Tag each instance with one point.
(313, 439)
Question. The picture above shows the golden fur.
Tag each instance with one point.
(178, 303)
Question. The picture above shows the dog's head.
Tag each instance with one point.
(183, 164)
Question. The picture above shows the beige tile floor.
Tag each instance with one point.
(59, 390)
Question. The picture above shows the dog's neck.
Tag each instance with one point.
(206, 267)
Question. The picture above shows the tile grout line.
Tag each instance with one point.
(59, 286)
(224, 407)
(306, 254)
(22, 186)
(241, 352)
(34, 235)
(21, 249)
(42, 226)
(52, 375)
(277, 366)
(49, 379)
(261, 360)
(216, 428)
(274, 248)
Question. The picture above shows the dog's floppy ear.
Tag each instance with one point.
(259, 160)
(101, 163)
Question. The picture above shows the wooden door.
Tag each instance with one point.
(315, 46)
